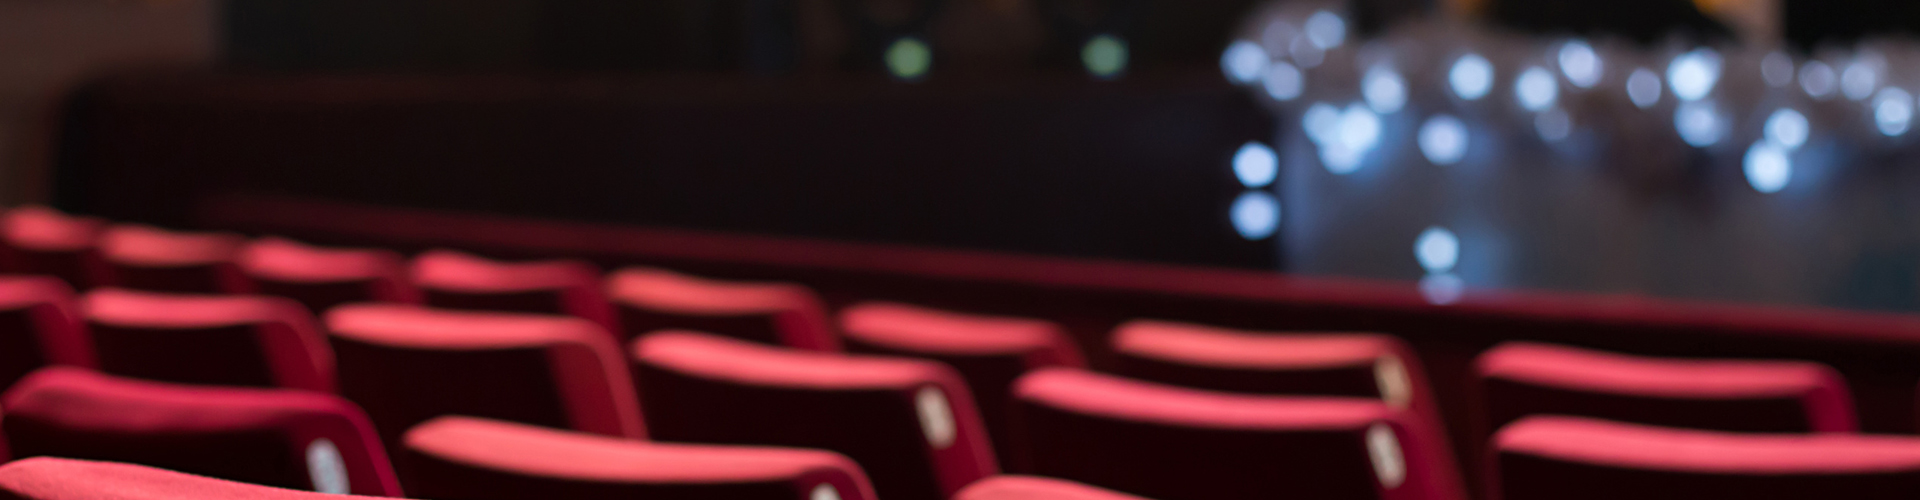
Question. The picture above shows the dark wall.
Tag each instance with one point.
(1055, 164)
(1811, 22)
(756, 36)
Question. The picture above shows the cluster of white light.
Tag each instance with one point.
(1768, 163)
(1344, 137)
(1256, 213)
(1553, 94)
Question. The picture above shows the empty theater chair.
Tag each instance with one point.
(40, 240)
(909, 423)
(1518, 379)
(407, 364)
(39, 326)
(1175, 443)
(456, 280)
(787, 314)
(239, 340)
(49, 478)
(990, 352)
(478, 459)
(322, 278)
(1574, 458)
(1330, 364)
(1012, 487)
(276, 437)
(150, 258)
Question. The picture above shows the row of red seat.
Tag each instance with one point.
(1201, 412)
(47, 478)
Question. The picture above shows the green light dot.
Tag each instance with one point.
(909, 58)
(1105, 56)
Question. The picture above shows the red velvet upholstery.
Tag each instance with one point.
(150, 258)
(241, 340)
(407, 364)
(1280, 363)
(990, 352)
(479, 459)
(276, 437)
(49, 478)
(1014, 487)
(1176, 443)
(773, 313)
(1518, 378)
(457, 280)
(325, 277)
(39, 326)
(911, 424)
(40, 240)
(1575, 458)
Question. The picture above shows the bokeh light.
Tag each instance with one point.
(1444, 139)
(909, 58)
(1256, 165)
(1471, 77)
(1384, 90)
(1244, 61)
(1643, 88)
(1255, 215)
(1767, 166)
(1536, 89)
(1694, 74)
(1581, 64)
(1105, 56)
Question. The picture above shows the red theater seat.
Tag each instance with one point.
(276, 437)
(458, 280)
(325, 277)
(1518, 379)
(150, 258)
(241, 340)
(1175, 443)
(774, 313)
(990, 352)
(40, 240)
(1574, 458)
(909, 423)
(1330, 364)
(407, 364)
(1035, 488)
(39, 326)
(48, 478)
(476, 459)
